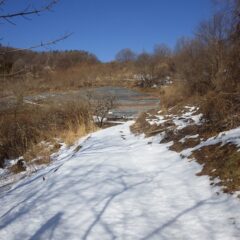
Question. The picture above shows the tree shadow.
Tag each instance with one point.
(179, 215)
(48, 228)
(106, 205)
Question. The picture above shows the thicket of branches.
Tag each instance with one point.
(148, 69)
(210, 61)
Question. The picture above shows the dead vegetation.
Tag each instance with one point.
(25, 130)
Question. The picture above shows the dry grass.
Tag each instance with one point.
(172, 95)
(73, 78)
(72, 133)
(141, 125)
(23, 129)
(40, 153)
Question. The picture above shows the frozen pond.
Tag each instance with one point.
(130, 102)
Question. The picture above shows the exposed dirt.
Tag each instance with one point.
(222, 162)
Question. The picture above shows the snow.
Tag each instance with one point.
(7, 177)
(31, 102)
(97, 119)
(118, 186)
(188, 117)
(156, 119)
(188, 137)
(232, 136)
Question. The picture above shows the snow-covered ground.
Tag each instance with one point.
(118, 186)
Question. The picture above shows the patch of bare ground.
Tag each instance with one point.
(221, 162)
(182, 138)
(141, 125)
(180, 141)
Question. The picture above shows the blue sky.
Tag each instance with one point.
(104, 27)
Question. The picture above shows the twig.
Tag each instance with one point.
(42, 44)
(27, 12)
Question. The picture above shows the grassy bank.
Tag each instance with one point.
(35, 131)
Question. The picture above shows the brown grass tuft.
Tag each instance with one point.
(172, 95)
(72, 133)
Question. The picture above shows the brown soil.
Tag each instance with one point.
(223, 162)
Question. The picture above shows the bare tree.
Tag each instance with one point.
(125, 55)
(154, 68)
(100, 105)
(145, 68)
(210, 61)
(161, 51)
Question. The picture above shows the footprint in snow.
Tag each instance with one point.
(123, 137)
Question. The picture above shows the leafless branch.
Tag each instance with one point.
(42, 44)
(27, 12)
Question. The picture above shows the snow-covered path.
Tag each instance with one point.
(118, 186)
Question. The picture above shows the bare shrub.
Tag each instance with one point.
(221, 110)
(100, 106)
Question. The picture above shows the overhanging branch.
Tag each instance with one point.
(26, 12)
(42, 44)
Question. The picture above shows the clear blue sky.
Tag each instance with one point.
(103, 27)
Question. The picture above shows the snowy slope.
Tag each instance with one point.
(118, 186)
